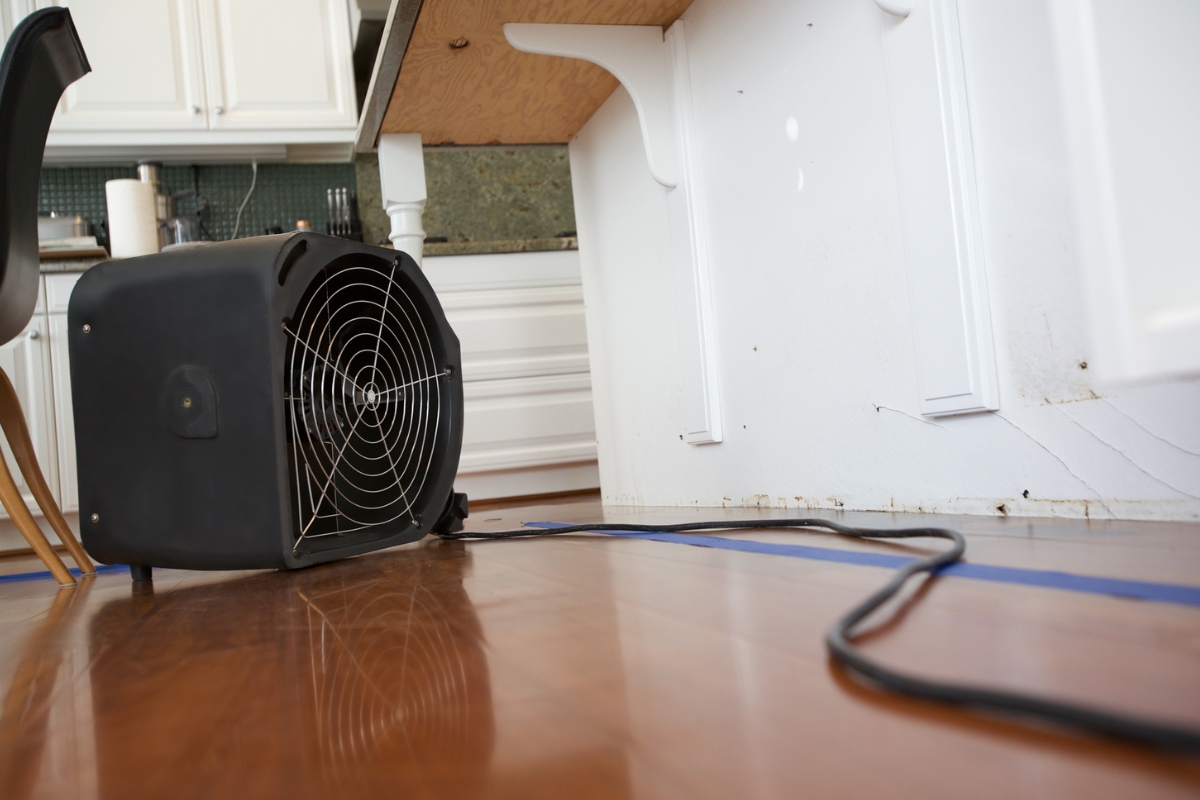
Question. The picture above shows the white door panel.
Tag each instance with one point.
(525, 422)
(26, 361)
(272, 63)
(519, 332)
(939, 211)
(64, 415)
(146, 73)
(12, 12)
(1131, 91)
(528, 422)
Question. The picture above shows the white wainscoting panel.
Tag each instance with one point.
(1130, 76)
(528, 422)
(939, 209)
(519, 332)
(525, 422)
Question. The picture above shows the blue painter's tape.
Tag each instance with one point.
(1067, 581)
(33, 576)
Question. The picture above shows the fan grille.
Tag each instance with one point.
(364, 394)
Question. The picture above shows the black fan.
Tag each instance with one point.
(269, 402)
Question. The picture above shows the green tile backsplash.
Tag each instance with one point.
(477, 195)
(283, 194)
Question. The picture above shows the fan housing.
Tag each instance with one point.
(269, 402)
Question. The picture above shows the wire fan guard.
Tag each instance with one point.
(365, 398)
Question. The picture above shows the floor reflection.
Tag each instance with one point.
(367, 676)
(558, 667)
(25, 714)
(399, 679)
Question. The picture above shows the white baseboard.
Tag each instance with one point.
(11, 538)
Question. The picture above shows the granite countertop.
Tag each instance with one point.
(501, 246)
(69, 265)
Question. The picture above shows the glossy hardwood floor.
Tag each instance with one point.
(591, 666)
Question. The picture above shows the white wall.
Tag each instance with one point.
(815, 343)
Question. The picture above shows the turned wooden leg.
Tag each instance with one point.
(12, 419)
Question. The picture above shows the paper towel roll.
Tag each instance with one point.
(132, 225)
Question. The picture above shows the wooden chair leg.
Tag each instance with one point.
(17, 510)
(12, 419)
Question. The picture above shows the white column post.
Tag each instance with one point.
(402, 184)
(940, 219)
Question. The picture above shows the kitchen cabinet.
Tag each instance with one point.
(528, 421)
(278, 64)
(58, 295)
(38, 364)
(26, 361)
(147, 72)
(189, 80)
(10, 12)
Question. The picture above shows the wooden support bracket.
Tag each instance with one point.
(896, 9)
(654, 70)
(635, 55)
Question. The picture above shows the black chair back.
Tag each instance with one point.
(42, 58)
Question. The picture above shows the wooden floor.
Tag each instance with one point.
(591, 666)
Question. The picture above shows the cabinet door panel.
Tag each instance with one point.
(64, 415)
(278, 63)
(146, 62)
(12, 12)
(1130, 76)
(8, 19)
(26, 361)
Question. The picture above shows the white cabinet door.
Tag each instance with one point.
(8, 19)
(273, 64)
(26, 361)
(1130, 75)
(147, 69)
(527, 390)
(12, 12)
(58, 296)
(64, 415)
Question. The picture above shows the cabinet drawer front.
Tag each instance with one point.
(58, 291)
(527, 422)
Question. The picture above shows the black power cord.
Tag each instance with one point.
(840, 637)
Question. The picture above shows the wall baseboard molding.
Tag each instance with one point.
(11, 540)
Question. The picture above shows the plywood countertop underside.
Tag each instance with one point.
(480, 90)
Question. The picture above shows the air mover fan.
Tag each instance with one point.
(270, 402)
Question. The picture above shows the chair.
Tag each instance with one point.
(42, 58)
